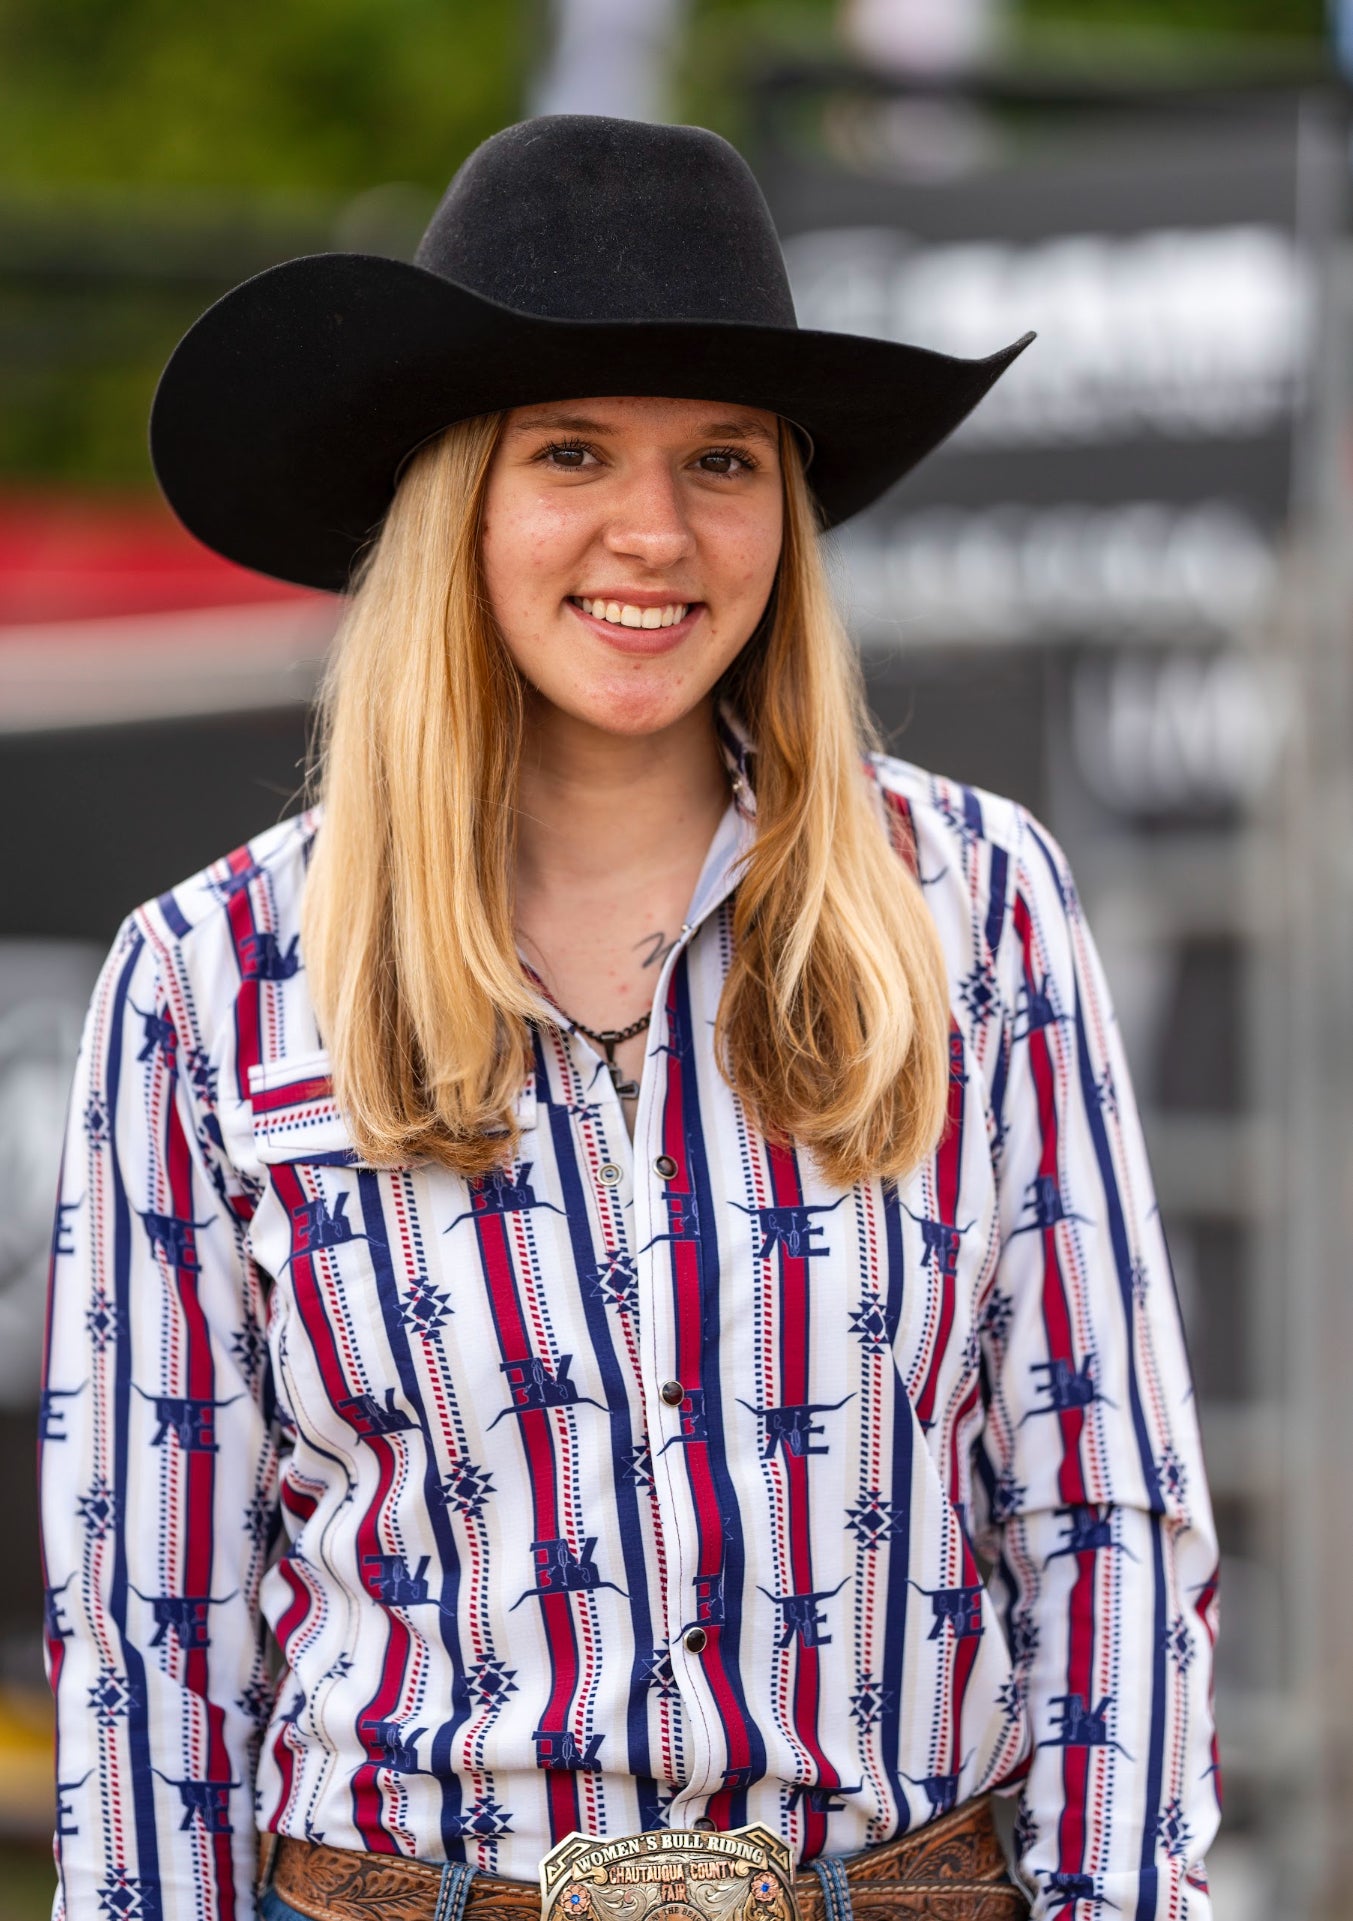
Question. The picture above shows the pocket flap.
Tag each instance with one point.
(296, 1117)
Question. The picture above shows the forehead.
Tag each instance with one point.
(649, 416)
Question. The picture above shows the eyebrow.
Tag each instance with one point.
(740, 429)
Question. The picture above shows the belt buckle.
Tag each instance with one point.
(669, 1874)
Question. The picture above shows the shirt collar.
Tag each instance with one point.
(733, 837)
(728, 852)
(736, 748)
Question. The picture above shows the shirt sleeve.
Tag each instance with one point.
(1091, 1499)
(157, 1471)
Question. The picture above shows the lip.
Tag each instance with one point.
(641, 640)
(639, 596)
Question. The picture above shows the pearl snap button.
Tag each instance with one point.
(673, 1393)
(695, 1640)
(703, 1823)
(665, 1166)
(609, 1173)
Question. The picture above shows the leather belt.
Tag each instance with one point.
(953, 1869)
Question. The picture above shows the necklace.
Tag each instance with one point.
(610, 1038)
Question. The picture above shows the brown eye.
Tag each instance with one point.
(724, 462)
(565, 457)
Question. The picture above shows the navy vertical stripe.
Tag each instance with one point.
(448, 1619)
(626, 1493)
(1094, 1116)
(142, 1784)
(899, 1558)
(174, 918)
(1155, 1747)
(1122, 1254)
(998, 886)
(735, 1566)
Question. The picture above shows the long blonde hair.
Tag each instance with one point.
(833, 1022)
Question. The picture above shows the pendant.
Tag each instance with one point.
(627, 1090)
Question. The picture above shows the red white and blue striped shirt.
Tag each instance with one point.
(640, 1484)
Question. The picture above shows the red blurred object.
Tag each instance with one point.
(67, 559)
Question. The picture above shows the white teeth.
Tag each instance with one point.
(625, 614)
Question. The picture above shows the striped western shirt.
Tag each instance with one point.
(635, 1485)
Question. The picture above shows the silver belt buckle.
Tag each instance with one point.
(669, 1874)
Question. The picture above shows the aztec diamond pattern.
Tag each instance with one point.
(644, 1481)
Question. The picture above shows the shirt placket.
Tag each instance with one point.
(654, 1175)
(639, 1177)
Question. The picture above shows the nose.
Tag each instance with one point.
(649, 524)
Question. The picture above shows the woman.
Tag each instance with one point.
(621, 1232)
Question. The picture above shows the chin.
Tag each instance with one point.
(633, 711)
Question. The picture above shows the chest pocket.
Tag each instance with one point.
(311, 1205)
(295, 1115)
(313, 1202)
(296, 1118)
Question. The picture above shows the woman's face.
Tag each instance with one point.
(629, 549)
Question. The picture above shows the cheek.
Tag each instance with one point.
(526, 548)
(743, 552)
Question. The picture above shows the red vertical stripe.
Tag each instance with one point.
(948, 1167)
(199, 1521)
(1056, 1305)
(1079, 1680)
(689, 1344)
(538, 1443)
(1070, 1480)
(794, 1337)
(288, 1625)
(367, 1804)
(240, 914)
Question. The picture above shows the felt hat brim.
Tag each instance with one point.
(283, 415)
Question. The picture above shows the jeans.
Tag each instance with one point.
(271, 1907)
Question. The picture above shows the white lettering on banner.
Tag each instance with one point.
(1141, 570)
(1173, 332)
(1155, 734)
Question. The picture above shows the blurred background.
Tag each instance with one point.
(1122, 594)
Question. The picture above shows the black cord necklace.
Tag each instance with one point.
(610, 1038)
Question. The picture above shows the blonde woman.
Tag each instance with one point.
(609, 1280)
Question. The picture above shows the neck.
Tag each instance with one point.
(595, 807)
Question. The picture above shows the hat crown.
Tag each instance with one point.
(583, 217)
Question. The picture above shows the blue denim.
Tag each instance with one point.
(272, 1907)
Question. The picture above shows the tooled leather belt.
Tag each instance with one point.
(953, 1869)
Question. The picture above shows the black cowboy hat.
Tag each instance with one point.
(571, 256)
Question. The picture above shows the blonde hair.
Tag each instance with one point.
(833, 1021)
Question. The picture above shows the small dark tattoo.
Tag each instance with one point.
(659, 947)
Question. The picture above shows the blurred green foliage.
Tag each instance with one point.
(152, 154)
(327, 94)
(27, 1882)
(1261, 19)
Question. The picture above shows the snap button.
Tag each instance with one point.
(665, 1166)
(703, 1823)
(695, 1639)
(673, 1393)
(609, 1173)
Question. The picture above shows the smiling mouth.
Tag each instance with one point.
(623, 613)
